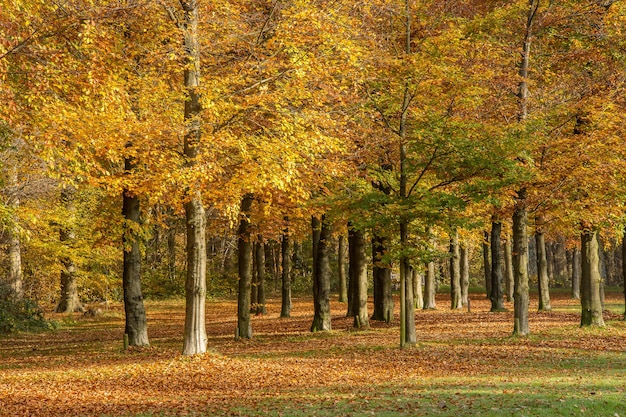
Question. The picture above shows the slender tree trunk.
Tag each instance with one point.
(136, 323)
(341, 266)
(520, 267)
(465, 273)
(508, 263)
(590, 299)
(429, 287)
(244, 325)
(16, 281)
(542, 271)
(624, 268)
(358, 277)
(195, 338)
(254, 284)
(69, 301)
(260, 277)
(321, 275)
(351, 270)
(285, 310)
(576, 266)
(418, 293)
(383, 300)
(497, 299)
(548, 253)
(455, 272)
(171, 252)
(486, 263)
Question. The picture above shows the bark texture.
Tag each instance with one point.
(260, 278)
(520, 268)
(486, 263)
(496, 296)
(358, 277)
(465, 273)
(285, 308)
(576, 266)
(543, 279)
(590, 297)
(321, 276)
(429, 287)
(341, 266)
(418, 292)
(508, 276)
(69, 301)
(455, 272)
(136, 326)
(383, 300)
(244, 325)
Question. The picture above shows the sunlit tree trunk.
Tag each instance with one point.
(244, 325)
(381, 273)
(69, 301)
(15, 251)
(429, 287)
(358, 277)
(254, 285)
(576, 266)
(521, 298)
(136, 323)
(418, 293)
(455, 272)
(496, 296)
(542, 270)
(508, 263)
(341, 266)
(465, 272)
(590, 299)
(321, 275)
(260, 277)
(285, 309)
(195, 338)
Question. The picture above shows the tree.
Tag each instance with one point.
(590, 299)
(455, 272)
(244, 325)
(358, 277)
(341, 268)
(381, 274)
(542, 269)
(321, 274)
(497, 299)
(286, 251)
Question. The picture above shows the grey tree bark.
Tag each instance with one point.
(321, 275)
(418, 292)
(590, 298)
(576, 266)
(358, 277)
(496, 296)
(244, 325)
(16, 280)
(429, 287)
(341, 266)
(465, 272)
(260, 277)
(381, 273)
(486, 263)
(195, 338)
(136, 324)
(508, 276)
(455, 272)
(69, 301)
(543, 280)
(285, 309)
(521, 297)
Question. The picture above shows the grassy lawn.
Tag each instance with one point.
(465, 364)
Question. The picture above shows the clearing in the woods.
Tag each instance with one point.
(464, 364)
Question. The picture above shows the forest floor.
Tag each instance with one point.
(465, 364)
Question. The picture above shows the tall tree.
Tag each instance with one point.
(244, 325)
(381, 274)
(497, 299)
(455, 272)
(590, 299)
(542, 268)
(508, 268)
(341, 268)
(465, 272)
(358, 277)
(286, 252)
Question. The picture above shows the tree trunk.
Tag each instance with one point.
(69, 301)
(136, 323)
(496, 296)
(508, 263)
(285, 309)
(358, 277)
(455, 272)
(560, 261)
(624, 268)
(542, 272)
(407, 312)
(254, 285)
(15, 253)
(341, 266)
(576, 266)
(520, 267)
(171, 252)
(548, 254)
(351, 278)
(195, 338)
(244, 325)
(260, 277)
(383, 300)
(418, 293)
(486, 263)
(465, 273)
(590, 299)
(429, 287)
(321, 275)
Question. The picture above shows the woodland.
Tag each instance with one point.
(316, 182)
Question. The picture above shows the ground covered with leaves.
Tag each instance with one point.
(465, 363)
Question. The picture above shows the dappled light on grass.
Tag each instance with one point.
(460, 357)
